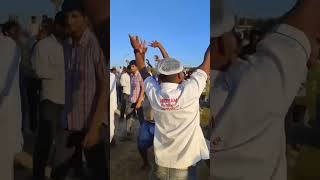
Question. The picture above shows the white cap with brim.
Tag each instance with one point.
(169, 66)
(223, 18)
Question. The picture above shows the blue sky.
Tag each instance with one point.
(182, 26)
(24, 9)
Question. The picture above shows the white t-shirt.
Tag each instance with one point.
(125, 83)
(48, 59)
(179, 141)
(250, 103)
(10, 107)
(113, 102)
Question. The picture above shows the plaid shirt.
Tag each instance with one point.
(136, 84)
(81, 62)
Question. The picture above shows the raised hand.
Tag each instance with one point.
(138, 45)
(134, 40)
(155, 44)
(142, 47)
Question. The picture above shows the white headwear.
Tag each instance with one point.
(169, 66)
(223, 19)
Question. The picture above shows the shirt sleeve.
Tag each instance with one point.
(263, 86)
(41, 62)
(150, 87)
(196, 84)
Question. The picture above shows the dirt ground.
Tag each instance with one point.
(125, 161)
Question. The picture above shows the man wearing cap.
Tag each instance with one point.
(179, 143)
(249, 139)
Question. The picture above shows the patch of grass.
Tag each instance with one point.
(204, 116)
(307, 166)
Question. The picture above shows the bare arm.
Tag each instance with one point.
(99, 110)
(205, 66)
(141, 95)
(156, 44)
(139, 52)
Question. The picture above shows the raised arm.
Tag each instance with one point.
(140, 50)
(301, 17)
(156, 44)
(205, 66)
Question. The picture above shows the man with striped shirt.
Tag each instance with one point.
(86, 95)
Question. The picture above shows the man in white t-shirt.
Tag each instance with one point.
(113, 103)
(251, 98)
(179, 143)
(49, 65)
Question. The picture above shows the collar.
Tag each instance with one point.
(169, 85)
(53, 38)
(83, 40)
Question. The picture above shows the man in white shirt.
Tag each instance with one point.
(179, 143)
(251, 98)
(34, 26)
(125, 83)
(48, 58)
(113, 103)
(10, 106)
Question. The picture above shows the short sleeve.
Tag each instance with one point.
(197, 83)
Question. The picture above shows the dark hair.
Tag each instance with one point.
(47, 25)
(168, 78)
(113, 69)
(133, 62)
(8, 26)
(59, 18)
(73, 5)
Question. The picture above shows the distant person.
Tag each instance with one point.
(125, 102)
(113, 104)
(34, 26)
(136, 98)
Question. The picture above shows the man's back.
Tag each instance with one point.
(179, 141)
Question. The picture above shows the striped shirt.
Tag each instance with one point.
(81, 63)
(136, 84)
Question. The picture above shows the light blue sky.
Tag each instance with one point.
(182, 26)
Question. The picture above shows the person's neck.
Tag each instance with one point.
(58, 38)
(77, 37)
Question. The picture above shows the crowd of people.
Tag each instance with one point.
(54, 86)
(165, 100)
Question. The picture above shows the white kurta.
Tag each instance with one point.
(113, 103)
(256, 95)
(10, 107)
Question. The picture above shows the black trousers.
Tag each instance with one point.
(49, 122)
(96, 157)
(125, 104)
(33, 93)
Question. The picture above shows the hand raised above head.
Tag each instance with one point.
(155, 44)
(134, 40)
